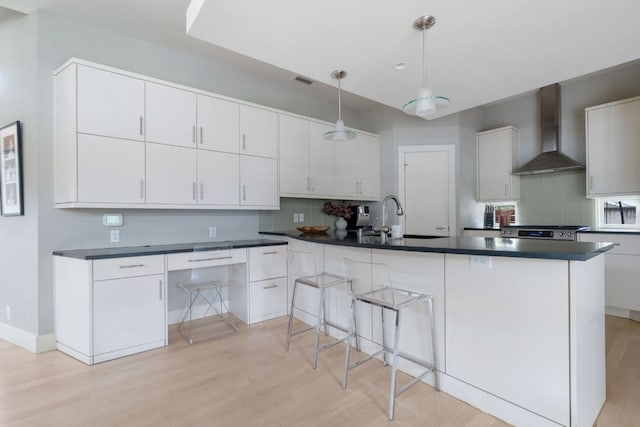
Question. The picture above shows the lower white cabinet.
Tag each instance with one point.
(109, 308)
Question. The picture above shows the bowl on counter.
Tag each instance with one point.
(313, 229)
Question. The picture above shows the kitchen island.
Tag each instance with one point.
(520, 323)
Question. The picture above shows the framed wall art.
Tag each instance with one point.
(11, 170)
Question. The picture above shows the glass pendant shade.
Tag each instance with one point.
(339, 133)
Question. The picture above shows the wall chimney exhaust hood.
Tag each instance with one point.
(550, 160)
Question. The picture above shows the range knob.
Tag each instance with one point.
(561, 234)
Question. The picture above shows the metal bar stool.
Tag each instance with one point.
(393, 300)
(303, 268)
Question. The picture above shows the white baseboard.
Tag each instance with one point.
(27, 340)
(618, 312)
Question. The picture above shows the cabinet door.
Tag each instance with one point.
(267, 299)
(347, 169)
(258, 131)
(258, 181)
(613, 149)
(218, 178)
(110, 104)
(171, 174)
(322, 161)
(128, 312)
(267, 262)
(294, 155)
(368, 167)
(621, 281)
(494, 166)
(218, 124)
(171, 115)
(110, 170)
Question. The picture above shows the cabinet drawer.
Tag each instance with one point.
(626, 243)
(267, 262)
(200, 259)
(116, 268)
(267, 299)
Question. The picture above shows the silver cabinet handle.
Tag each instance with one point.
(591, 183)
(160, 288)
(201, 137)
(244, 141)
(132, 266)
(312, 184)
(356, 188)
(141, 188)
(269, 253)
(194, 191)
(506, 189)
(244, 192)
(210, 259)
(193, 134)
(201, 191)
(442, 228)
(308, 184)
(141, 125)
(270, 287)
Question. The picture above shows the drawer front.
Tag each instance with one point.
(267, 262)
(267, 299)
(626, 243)
(116, 268)
(201, 259)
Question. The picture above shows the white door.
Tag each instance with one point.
(110, 170)
(322, 160)
(128, 312)
(110, 104)
(258, 132)
(258, 181)
(171, 174)
(171, 115)
(427, 187)
(218, 178)
(368, 167)
(218, 124)
(294, 155)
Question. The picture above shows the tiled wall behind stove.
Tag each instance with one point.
(283, 219)
(555, 199)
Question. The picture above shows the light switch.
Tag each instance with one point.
(115, 236)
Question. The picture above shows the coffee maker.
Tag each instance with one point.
(359, 217)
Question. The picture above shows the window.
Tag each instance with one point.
(619, 212)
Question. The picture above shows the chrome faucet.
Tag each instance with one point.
(384, 228)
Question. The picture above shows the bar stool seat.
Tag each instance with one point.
(302, 267)
(395, 300)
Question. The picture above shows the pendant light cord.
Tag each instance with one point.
(424, 57)
(339, 101)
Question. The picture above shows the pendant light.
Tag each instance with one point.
(426, 103)
(339, 133)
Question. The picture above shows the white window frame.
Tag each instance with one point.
(600, 212)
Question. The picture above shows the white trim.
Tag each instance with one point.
(617, 312)
(404, 149)
(27, 340)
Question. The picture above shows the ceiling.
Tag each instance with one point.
(477, 53)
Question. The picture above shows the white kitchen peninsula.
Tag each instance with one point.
(520, 323)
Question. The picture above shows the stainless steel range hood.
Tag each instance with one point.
(550, 160)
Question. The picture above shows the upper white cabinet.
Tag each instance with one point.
(171, 175)
(218, 124)
(109, 104)
(258, 181)
(322, 161)
(358, 168)
(171, 115)
(218, 178)
(498, 153)
(613, 148)
(258, 132)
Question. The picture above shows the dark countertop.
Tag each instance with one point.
(484, 246)
(132, 251)
(611, 231)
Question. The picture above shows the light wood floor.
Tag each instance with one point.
(248, 379)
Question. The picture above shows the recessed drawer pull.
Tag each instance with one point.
(132, 266)
(210, 259)
(270, 287)
(270, 253)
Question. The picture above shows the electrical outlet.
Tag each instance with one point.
(8, 310)
(301, 217)
(213, 232)
(115, 236)
(480, 261)
(296, 218)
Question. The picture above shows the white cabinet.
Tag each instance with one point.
(322, 164)
(218, 124)
(170, 115)
(258, 181)
(358, 168)
(613, 148)
(498, 154)
(171, 175)
(622, 269)
(109, 103)
(110, 170)
(218, 178)
(109, 308)
(258, 131)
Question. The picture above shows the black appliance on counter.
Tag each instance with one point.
(547, 232)
(359, 217)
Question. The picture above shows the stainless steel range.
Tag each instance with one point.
(547, 232)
